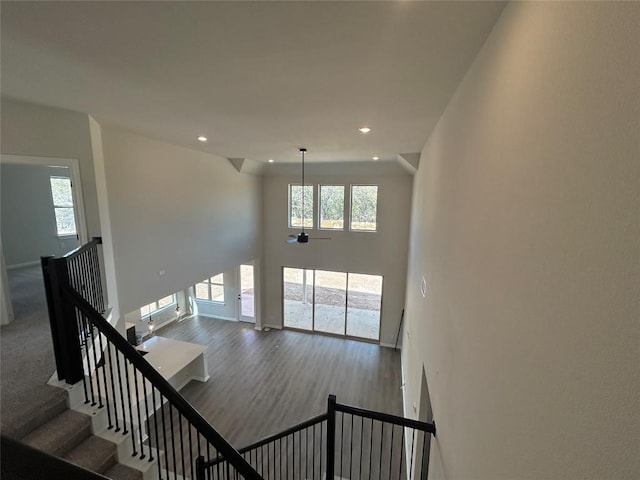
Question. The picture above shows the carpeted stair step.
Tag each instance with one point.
(122, 472)
(61, 434)
(94, 453)
(42, 404)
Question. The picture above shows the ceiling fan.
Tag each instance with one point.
(302, 237)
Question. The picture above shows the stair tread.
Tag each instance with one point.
(44, 403)
(60, 434)
(94, 453)
(122, 472)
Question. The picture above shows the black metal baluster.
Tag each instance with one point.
(83, 344)
(89, 372)
(413, 445)
(401, 452)
(113, 387)
(393, 427)
(424, 453)
(370, 447)
(320, 463)
(341, 440)
(155, 427)
(133, 433)
(313, 459)
(164, 438)
(181, 443)
(95, 365)
(280, 443)
(173, 443)
(351, 450)
(361, 445)
(146, 409)
(104, 379)
(381, 440)
(124, 413)
(191, 451)
(135, 383)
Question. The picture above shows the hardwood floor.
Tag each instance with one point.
(264, 382)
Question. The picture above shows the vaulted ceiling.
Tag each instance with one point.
(259, 79)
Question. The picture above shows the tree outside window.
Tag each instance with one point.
(364, 206)
(332, 207)
(296, 214)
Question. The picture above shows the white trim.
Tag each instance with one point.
(74, 171)
(25, 264)
(218, 317)
(277, 327)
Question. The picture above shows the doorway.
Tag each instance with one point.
(246, 294)
(42, 214)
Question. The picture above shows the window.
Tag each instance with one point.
(332, 207)
(364, 205)
(211, 289)
(63, 205)
(298, 197)
(153, 307)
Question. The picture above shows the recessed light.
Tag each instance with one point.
(202, 138)
(375, 158)
(364, 130)
(271, 160)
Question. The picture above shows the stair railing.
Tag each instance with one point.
(139, 402)
(345, 442)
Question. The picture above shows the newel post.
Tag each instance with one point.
(331, 435)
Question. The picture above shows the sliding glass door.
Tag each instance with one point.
(297, 288)
(364, 302)
(330, 302)
(338, 303)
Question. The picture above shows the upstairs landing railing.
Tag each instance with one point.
(346, 442)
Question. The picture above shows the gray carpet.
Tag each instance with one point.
(26, 353)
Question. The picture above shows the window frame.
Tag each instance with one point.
(362, 230)
(210, 283)
(59, 207)
(313, 203)
(344, 205)
(157, 307)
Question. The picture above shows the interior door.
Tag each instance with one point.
(246, 294)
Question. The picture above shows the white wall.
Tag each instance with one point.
(174, 210)
(526, 226)
(40, 131)
(28, 219)
(381, 253)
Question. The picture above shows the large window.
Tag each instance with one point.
(337, 303)
(211, 289)
(63, 205)
(332, 207)
(297, 198)
(153, 307)
(364, 206)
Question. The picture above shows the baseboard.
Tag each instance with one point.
(218, 317)
(21, 265)
(274, 327)
(390, 345)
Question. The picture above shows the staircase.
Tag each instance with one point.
(58, 431)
